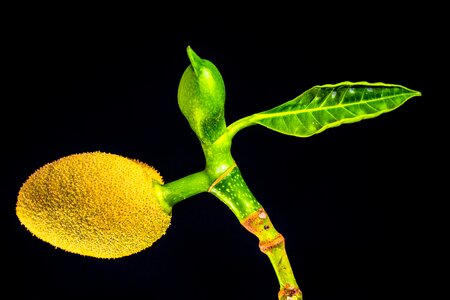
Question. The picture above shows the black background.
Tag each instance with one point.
(353, 202)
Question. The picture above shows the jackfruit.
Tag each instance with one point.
(94, 204)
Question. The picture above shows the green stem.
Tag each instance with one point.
(222, 178)
(234, 193)
(240, 124)
(232, 190)
(183, 188)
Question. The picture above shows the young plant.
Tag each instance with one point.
(107, 206)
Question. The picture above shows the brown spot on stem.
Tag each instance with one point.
(289, 292)
(262, 215)
(268, 245)
(260, 225)
(254, 223)
(272, 244)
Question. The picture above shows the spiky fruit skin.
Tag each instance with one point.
(95, 204)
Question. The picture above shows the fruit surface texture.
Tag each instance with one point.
(95, 204)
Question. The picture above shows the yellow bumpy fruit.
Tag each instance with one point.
(95, 204)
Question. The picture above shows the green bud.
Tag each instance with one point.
(201, 98)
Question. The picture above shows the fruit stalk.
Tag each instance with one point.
(183, 188)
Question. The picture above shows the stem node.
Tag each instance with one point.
(272, 243)
(266, 246)
(289, 292)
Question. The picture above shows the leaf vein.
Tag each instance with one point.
(300, 111)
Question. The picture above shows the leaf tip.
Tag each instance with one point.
(414, 93)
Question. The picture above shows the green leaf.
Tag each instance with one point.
(331, 105)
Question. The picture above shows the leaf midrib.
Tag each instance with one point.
(301, 111)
